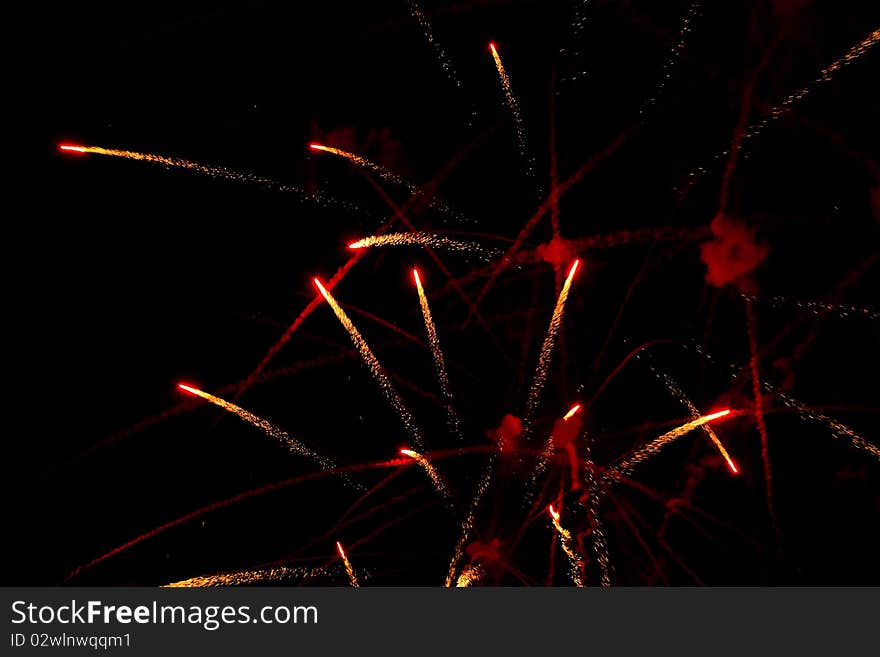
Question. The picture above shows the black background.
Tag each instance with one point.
(139, 277)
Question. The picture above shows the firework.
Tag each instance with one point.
(469, 576)
(467, 525)
(626, 466)
(574, 561)
(513, 105)
(270, 429)
(243, 578)
(381, 171)
(352, 578)
(436, 479)
(572, 412)
(209, 170)
(439, 362)
(421, 238)
(546, 353)
(375, 368)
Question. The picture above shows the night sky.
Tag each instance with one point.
(150, 276)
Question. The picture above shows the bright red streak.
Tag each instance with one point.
(354, 245)
(72, 148)
(573, 269)
(492, 47)
(183, 386)
(341, 551)
(416, 277)
(553, 512)
(713, 416)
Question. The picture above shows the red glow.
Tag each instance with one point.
(492, 47)
(190, 389)
(341, 551)
(416, 277)
(553, 512)
(732, 466)
(572, 412)
(713, 416)
(318, 147)
(354, 245)
(71, 148)
(573, 269)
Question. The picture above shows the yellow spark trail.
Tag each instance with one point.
(626, 466)
(205, 169)
(378, 169)
(241, 577)
(375, 368)
(513, 105)
(678, 393)
(270, 429)
(436, 479)
(419, 238)
(546, 354)
(468, 525)
(574, 561)
(348, 569)
(439, 363)
(470, 576)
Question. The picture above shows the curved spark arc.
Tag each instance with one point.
(627, 465)
(421, 238)
(242, 577)
(388, 390)
(452, 418)
(429, 468)
(270, 429)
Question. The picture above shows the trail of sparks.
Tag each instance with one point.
(352, 578)
(838, 430)
(752, 331)
(375, 368)
(209, 170)
(270, 429)
(819, 308)
(241, 578)
(574, 561)
(600, 543)
(439, 362)
(468, 525)
(415, 8)
(546, 354)
(428, 467)
(470, 576)
(675, 53)
(578, 29)
(678, 393)
(513, 105)
(420, 238)
(627, 465)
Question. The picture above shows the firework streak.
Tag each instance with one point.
(436, 479)
(574, 561)
(271, 430)
(513, 105)
(439, 363)
(242, 577)
(468, 525)
(209, 170)
(547, 352)
(470, 576)
(678, 393)
(352, 578)
(420, 238)
(375, 368)
(626, 466)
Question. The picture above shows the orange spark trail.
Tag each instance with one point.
(379, 170)
(205, 169)
(547, 352)
(375, 368)
(574, 561)
(279, 434)
(470, 576)
(572, 412)
(627, 465)
(678, 393)
(439, 362)
(513, 105)
(242, 577)
(468, 525)
(348, 569)
(420, 238)
(436, 479)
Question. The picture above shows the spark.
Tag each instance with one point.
(678, 393)
(375, 368)
(348, 569)
(470, 576)
(467, 526)
(436, 479)
(378, 169)
(209, 170)
(439, 362)
(513, 105)
(626, 466)
(420, 238)
(574, 561)
(242, 577)
(572, 412)
(270, 429)
(547, 348)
